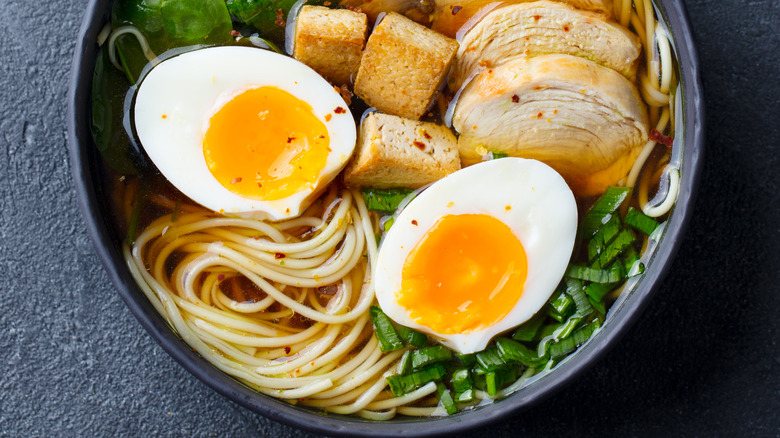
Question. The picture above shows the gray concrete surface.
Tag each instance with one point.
(702, 361)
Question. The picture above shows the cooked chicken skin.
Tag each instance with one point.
(530, 29)
(586, 121)
(450, 15)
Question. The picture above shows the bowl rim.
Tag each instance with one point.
(82, 154)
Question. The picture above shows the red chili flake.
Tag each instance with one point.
(515, 98)
(279, 255)
(290, 139)
(235, 180)
(339, 110)
(420, 145)
(328, 117)
(330, 289)
(260, 185)
(279, 17)
(456, 9)
(322, 136)
(235, 33)
(414, 221)
(537, 17)
(566, 28)
(221, 277)
(287, 350)
(345, 94)
(655, 135)
(426, 135)
(539, 115)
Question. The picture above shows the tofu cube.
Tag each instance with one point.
(330, 41)
(397, 152)
(403, 66)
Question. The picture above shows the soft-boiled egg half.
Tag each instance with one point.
(243, 131)
(478, 252)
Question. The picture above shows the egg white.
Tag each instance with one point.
(189, 88)
(543, 216)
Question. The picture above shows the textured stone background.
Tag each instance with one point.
(702, 361)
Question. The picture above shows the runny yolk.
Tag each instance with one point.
(466, 274)
(266, 144)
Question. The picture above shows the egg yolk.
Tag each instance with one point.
(266, 144)
(466, 274)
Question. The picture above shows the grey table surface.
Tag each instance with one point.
(703, 360)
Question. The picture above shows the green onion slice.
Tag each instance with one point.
(640, 222)
(385, 333)
(602, 210)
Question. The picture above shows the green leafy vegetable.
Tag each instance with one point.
(384, 200)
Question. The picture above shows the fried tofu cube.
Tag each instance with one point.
(397, 152)
(330, 41)
(403, 66)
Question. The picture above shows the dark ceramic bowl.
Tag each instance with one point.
(94, 205)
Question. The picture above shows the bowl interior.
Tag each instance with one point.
(94, 205)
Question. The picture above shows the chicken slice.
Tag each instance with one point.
(586, 121)
(450, 15)
(530, 29)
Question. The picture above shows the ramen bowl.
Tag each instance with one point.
(95, 205)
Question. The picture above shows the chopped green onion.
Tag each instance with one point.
(597, 291)
(623, 240)
(568, 327)
(527, 331)
(575, 290)
(565, 346)
(466, 359)
(445, 397)
(479, 380)
(490, 360)
(461, 384)
(405, 365)
(404, 384)
(384, 200)
(495, 380)
(412, 336)
(562, 305)
(385, 333)
(603, 236)
(497, 155)
(546, 331)
(388, 223)
(598, 305)
(612, 275)
(602, 210)
(429, 355)
(640, 222)
(512, 351)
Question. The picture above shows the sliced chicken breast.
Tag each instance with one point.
(586, 121)
(450, 15)
(530, 29)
